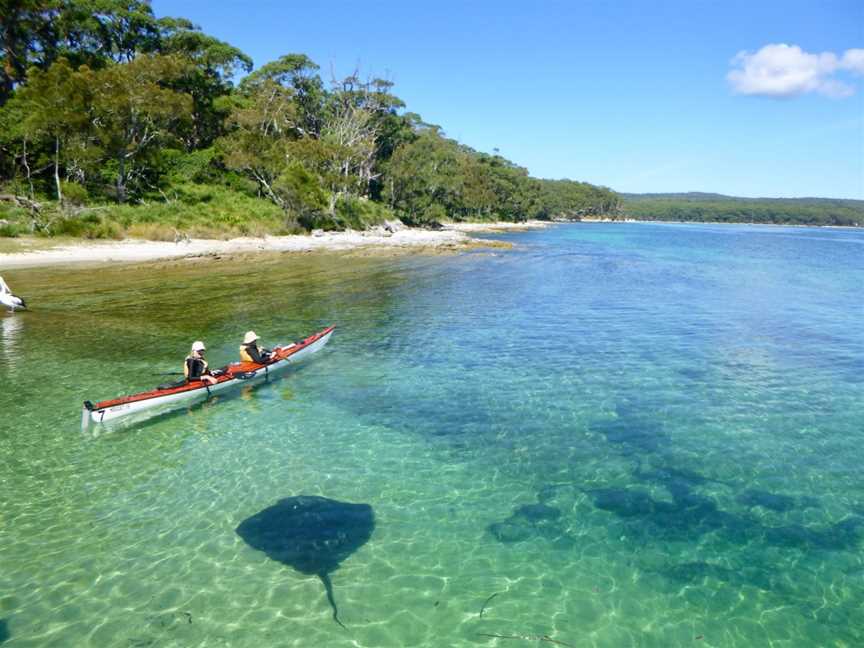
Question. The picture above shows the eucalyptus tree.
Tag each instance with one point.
(132, 110)
(53, 106)
(284, 125)
(208, 80)
(353, 129)
(263, 118)
(299, 73)
(36, 33)
(424, 177)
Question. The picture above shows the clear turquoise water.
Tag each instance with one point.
(629, 434)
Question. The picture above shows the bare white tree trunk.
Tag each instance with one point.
(57, 168)
(27, 169)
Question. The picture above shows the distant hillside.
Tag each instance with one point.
(710, 207)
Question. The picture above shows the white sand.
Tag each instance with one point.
(453, 236)
(132, 251)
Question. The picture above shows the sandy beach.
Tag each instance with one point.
(454, 236)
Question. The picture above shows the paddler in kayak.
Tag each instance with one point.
(195, 367)
(251, 352)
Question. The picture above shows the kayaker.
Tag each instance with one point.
(251, 352)
(195, 367)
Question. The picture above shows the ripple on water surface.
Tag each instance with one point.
(612, 435)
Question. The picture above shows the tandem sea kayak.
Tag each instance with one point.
(232, 375)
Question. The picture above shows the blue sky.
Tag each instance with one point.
(631, 95)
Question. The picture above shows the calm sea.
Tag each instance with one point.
(611, 435)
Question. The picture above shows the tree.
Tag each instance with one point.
(103, 31)
(54, 105)
(352, 128)
(298, 73)
(209, 78)
(263, 119)
(25, 28)
(301, 192)
(424, 173)
(132, 110)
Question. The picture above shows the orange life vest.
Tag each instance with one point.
(244, 354)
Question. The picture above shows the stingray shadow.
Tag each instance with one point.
(311, 534)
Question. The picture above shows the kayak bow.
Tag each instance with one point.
(227, 377)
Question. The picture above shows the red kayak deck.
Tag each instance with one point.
(229, 373)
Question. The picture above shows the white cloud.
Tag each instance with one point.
(853, 59)
(780, 70)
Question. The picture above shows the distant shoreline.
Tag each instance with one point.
(454, 237)
(693, 222)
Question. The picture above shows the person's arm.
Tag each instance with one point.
(255, 353)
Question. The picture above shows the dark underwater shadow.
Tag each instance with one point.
(4, 631)
(311, 534)
(767, 500)
(691, 514)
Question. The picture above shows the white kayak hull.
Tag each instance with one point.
(167, 402)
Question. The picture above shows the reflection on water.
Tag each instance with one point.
(10, 331)
(612, 435)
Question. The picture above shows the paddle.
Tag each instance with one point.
(180, 373)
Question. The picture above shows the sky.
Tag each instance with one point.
(743, 98)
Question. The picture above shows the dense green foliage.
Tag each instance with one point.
(702, 207)
(116, 122)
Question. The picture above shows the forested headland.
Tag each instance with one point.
(115, 122)
(717, 208)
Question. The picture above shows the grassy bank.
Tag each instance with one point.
(194, 211)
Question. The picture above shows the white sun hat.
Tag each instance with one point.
(250, 337)
(198, 345)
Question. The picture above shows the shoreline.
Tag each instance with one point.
(453, 237)
(680, 222)
(501, 226)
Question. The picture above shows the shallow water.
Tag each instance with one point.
(612, 435)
